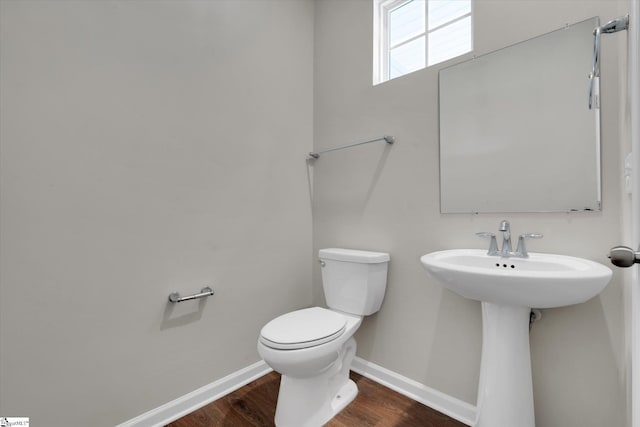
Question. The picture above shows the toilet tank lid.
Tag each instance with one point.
(353, 255)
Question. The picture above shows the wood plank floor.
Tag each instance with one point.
(375, 406)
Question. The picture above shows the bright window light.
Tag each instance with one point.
(410, 35)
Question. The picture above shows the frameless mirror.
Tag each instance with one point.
(516, 131)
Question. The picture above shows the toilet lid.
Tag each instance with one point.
(303, 328)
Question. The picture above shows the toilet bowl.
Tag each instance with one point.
(313, 348)
(315, 382)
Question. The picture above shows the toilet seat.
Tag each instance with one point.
(304, 328)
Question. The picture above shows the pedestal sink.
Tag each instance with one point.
(508, 288)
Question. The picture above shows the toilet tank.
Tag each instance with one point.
(354, 281)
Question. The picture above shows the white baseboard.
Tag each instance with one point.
(171, 411)
(448, 405)
(188, 403)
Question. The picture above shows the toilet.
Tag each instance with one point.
(313, 348)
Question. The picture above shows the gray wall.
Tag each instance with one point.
(147, 147)
(385, 198)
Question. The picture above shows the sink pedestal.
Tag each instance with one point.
(508, 287)
(505, 391)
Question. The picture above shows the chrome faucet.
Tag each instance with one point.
(506, 251)
(506, 238)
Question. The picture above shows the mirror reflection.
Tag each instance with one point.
(516, 131)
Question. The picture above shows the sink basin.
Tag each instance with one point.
(540, 281)
(508, 288)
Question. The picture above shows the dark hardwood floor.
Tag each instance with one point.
(255, 405)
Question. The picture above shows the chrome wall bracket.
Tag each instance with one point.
(205, 292)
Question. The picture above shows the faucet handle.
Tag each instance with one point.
(493, 245)
(522, 249)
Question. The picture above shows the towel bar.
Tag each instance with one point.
(388, 139)
(205, 292)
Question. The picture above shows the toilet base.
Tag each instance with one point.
(345, 395)
(313, 401)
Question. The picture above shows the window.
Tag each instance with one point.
(413, 34)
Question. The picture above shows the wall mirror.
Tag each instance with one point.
(516, 131)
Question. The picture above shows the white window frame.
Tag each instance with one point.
(381, 11)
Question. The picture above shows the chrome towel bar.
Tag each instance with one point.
(388, 139)
(205, 292)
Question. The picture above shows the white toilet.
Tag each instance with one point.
(313, 348)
